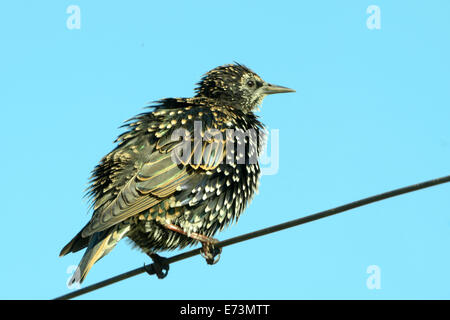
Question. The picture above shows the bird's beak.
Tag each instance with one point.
(271, 89)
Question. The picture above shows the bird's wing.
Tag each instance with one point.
(166, 172)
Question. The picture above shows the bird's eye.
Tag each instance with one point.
(250, 83)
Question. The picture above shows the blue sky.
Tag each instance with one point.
(371, 113)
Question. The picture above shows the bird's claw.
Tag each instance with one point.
(210, 252)
(160, 266)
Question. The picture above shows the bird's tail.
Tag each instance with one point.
(76, 244)
(100, 244)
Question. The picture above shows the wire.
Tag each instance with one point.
(265, 231)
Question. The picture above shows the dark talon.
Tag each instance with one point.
(160, 267)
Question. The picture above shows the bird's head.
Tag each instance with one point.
(236, 86)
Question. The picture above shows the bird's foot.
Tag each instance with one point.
(160, 267)
(210, 252)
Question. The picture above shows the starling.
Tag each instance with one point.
(180, 172)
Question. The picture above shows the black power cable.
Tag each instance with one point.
(262, 232)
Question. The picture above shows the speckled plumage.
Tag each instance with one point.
(139, 188)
